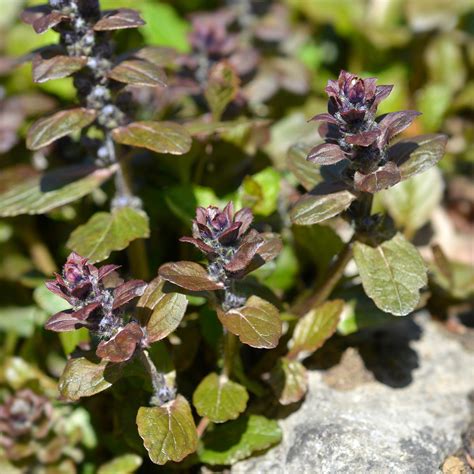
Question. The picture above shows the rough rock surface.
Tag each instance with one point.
(406, 418)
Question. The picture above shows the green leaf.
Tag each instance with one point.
(392, 274)
(124, 464)
(83, 378)
(56, 68)
(20, 320)
(314, 328)
(411, 202)
(138, 73)
(168, 432)
(257, 323)
(105, 232)
(164, 26)
(289, 380)
(49, 129)
(32, 193)
(313, 208)
(222, 87)
(260, 191)
(219, 398)
(71, 339)
(231, 442)
(307, 173)
(48, 301)
(162, 312)
(160, 137)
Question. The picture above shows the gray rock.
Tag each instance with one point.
(380, 427)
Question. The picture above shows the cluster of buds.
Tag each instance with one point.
(98, 298)
(354, 134)
(232, 249)
(25, 416)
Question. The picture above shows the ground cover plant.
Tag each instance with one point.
(195, 198)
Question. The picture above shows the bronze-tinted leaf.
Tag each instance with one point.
(127, 292)
(289, 380)
(45, 22)
(314, 207)
(168, 432)
(158, 55)
(189, 275)
(122, 345)
(222, 87)
(119, 20)
(49, 129)
(326, 154)
(382, 178)
(31, 14)
(83, 378)
(138, 73)
(314, 328)
(161, 312)
(415, 155)
(257, 323)
(29, 192)
(160, 137)
(57, 67)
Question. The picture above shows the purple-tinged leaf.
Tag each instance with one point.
(189, 275)
(49, 129)
(326, 154)
(312, 330)
(394, 123)
(106, 270)
(207, 249)
(119, 20)
(122, 346)
(415, 155)
(158, 55)
(244, 216)
(56, 68)
(127, 292)
(160, 137)
(324, 118)
(45, 22)
(257, 323)
(381, 93)
(70, 320)
(245, 252)
(31, 14)
(363, 138)
(138, 72)
(382, 178)
(161, 312)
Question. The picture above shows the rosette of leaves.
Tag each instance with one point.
(101, 119)
(233, 250)
(36, 432)
(122, 333)
(357, 160)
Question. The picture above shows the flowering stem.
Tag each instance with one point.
(161, 392)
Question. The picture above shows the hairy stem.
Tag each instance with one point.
(162, 393)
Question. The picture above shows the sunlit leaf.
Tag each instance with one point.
(49, 129)
(257, 323)
(162, 312)
(138, 72)
(392, 274)
(314, 328)
(219, 398)
(57, 67)
(160, 137)
(106, 232)
(118, 20)
(289, 380)
(168, 432)
(189, 275)
(29, 192)
(124, 464)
